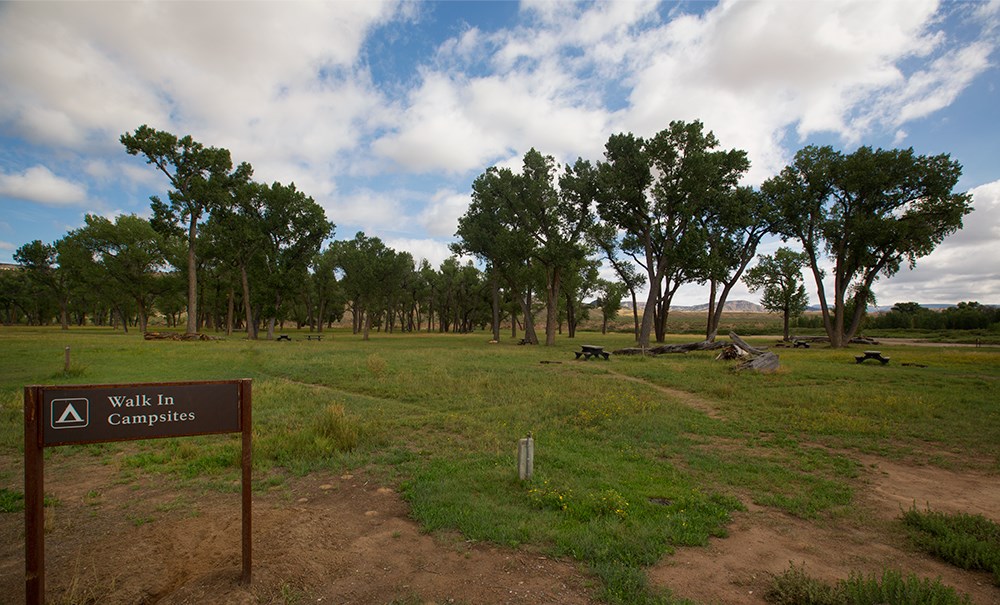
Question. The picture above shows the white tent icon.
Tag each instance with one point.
(68, 412)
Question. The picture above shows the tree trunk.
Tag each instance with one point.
(663, 349)
(529, 321)
(711, 326)
(648, 314)
(270, 322)
(247, 308)
(192, 307)
(230, 311)
(495, 283)
(552, 303)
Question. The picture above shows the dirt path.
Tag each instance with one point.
(764, 542)
(346, 539)
(321, 539)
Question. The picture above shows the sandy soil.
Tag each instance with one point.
(346, 539)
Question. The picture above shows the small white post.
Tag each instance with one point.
(525, 457)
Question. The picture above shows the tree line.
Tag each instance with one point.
(668, 210)
(230, 253)
(662, 212)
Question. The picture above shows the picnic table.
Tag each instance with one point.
(314, 337)
(800, 343)
(876, 355)
(284, 337)
(588, 351)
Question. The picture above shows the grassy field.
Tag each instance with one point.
(633, 457)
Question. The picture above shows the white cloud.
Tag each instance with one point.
(434, 251)
(440, 216)
(961, 267)
(367, 209)
(39, 184)
(752, 70)
(7, 246)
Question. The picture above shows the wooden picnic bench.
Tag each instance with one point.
(314, 337)
(876, 355)
(284, 337)
(800, 343)
(588, 351)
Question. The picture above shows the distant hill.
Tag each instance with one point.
(886, 309)
(733, 306)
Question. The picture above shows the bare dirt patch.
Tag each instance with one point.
(333, 538)
(764, 542)
(319, 539)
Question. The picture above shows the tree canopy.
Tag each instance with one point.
(866, 213)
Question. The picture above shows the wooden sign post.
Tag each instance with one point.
(78, 414)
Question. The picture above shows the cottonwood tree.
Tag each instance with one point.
(866, 213)
(609, 298)
(294, 227)
(368, 266)
(653, 191)
(780, 277)
(130, 254)
(556, 219)
(485, 232)
(735, 223)
(607, 240)
(199, 176)
(46, 279)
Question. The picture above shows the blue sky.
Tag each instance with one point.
(385, 112)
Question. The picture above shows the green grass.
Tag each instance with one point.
(967, 541)
(796, 587)
(629, 463)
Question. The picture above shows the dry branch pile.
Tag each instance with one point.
(175, 336)
(758, 360)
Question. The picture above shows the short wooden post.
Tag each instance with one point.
(525, 457)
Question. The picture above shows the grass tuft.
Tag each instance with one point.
(796, 587)
(333, 425)
(966, 541)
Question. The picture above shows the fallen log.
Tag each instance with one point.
(759, 359)
(742, 344)
(767, 362)
(664, 349)
(175, 336)
(857, 340)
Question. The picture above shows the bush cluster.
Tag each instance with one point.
(796, 587)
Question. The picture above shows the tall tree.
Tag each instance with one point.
(735, 223)
(47, 279)
(606, 238)
(199, 176)
(485, 232)
(609, 297)
(653, 191)
(294, 226)
(780, 278)
(368, 266)
(867, 212)
(130, 252)
(556, 219)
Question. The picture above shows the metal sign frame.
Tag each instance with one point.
(70, 409)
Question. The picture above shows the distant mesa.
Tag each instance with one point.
(732, 306)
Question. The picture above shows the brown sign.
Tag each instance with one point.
(62, 415)
(96, 413)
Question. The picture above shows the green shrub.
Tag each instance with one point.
(966, 541)
(333, 425)
(11, 501)
(796, 587)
